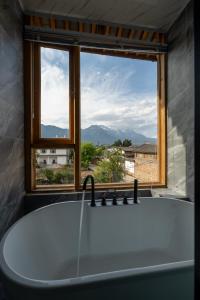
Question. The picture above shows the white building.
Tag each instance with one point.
(130, 166)
(54, 157)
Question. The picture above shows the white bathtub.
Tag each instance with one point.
(141, 251)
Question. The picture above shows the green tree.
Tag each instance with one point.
(64, 176)
(126, 143)
(48, 174)
(88, 152)
(103, 173)
(99, 152)
(118, 143)
(111, 168)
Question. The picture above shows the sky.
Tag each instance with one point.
(119, 93)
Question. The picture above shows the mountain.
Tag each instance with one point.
(49, 131)
(99, 135)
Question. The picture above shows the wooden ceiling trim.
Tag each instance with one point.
(119, 32)
(107, 30)
(52, 23)
(147, 38)
(94, 26)
(145, 35)
(131, 34)
(81, 27)
(66, 25)
(133, 55)
(37, 21)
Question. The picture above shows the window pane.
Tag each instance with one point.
(54, 93)
(54, 167)
(118, 119)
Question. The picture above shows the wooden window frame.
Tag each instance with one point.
(32, 116)
(37, 139)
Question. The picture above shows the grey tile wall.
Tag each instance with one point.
(181, 105)
(11, 113)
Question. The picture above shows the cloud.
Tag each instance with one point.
(54, 89)
(110, 94)
(110, 99)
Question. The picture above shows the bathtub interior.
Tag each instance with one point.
(43, 245)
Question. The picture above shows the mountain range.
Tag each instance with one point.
(98, 134)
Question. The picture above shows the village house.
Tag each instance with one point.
(137, 158)
(54, 157)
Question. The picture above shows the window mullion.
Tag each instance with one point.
(76, 92)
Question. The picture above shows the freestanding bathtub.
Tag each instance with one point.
(138, 252)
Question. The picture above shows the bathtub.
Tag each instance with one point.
(141, 251)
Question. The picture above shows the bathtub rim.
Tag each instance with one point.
(7, 272)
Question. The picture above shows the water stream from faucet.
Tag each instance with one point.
(80, 234)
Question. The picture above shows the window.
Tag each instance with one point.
(95, 113)
(118, 117)
(54, 171)
(54, 106)
(53, 150)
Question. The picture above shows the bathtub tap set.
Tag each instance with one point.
(114, 201)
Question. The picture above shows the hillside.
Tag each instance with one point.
(98, 134)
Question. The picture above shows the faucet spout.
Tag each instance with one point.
(92, 190)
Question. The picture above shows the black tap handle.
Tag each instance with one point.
(103, 201)
(114, 202)
(135, 196)
(125, 200)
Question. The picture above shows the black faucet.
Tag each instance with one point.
(92, 203)
(135, 195)
(114, 201)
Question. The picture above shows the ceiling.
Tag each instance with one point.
(156, 14)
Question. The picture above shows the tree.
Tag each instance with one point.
(48, 174)
(103, 173)
(64, 176)
(99, 151)
(88, 152)
(111, 168)
(118, 143)
(127, 143)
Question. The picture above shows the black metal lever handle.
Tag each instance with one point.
(114, 202)
(103, 201)
(125, 201)
(135, 193)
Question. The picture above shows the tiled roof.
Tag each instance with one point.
(147, 148)
(129, 149)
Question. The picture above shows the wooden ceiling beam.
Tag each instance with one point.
(37, 21)
(66, 25)
(94, 26)
(52, 23)
(141, 35)
(81, 27)
(145, 35)
(131, 34)
(119, 32)
(107, 30)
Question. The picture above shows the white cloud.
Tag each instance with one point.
(108, 100)
(106, 97)
(54, 92)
